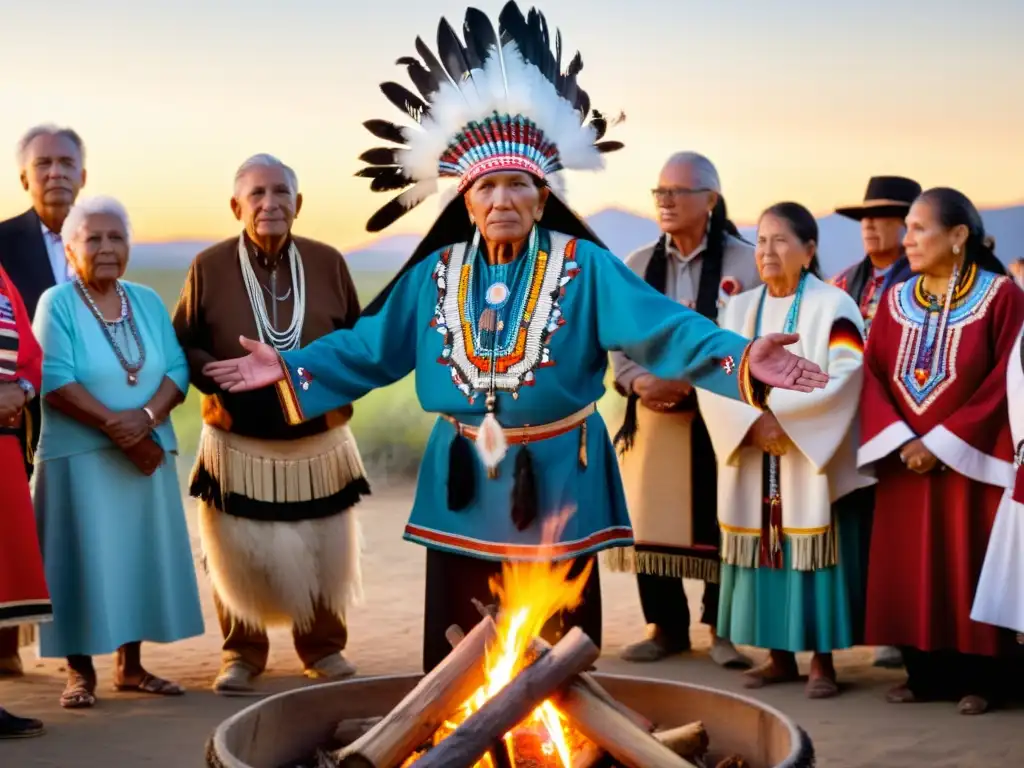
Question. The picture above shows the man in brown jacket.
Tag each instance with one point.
(279, 535)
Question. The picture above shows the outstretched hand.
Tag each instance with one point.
(771, 363)
(260, 368)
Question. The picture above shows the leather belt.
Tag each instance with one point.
(529, 434)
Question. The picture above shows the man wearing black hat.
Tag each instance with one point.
(881, 216)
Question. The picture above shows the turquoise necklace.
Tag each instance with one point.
(771, 524)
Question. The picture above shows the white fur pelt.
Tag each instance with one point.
(274, 573)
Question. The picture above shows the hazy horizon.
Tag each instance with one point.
(791, 100)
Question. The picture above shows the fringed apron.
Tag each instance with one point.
(669, 474)
(275, 523)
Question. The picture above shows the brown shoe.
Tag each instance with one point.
(655, 648)
(973, 705)
(902, 694)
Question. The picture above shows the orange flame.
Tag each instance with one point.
(529, 594)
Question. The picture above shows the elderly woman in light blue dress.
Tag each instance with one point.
(111, 524)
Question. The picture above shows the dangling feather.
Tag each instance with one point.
(608, 146)
(384, 129)
(452, 53)
(383, 156)
(397, 207)
(599, 124)
(524, 490)
(405, 100)
(426, 83)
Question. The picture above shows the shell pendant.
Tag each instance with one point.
(132, 379)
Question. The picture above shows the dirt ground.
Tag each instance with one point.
(856, 729)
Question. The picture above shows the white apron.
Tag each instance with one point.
(999, 599)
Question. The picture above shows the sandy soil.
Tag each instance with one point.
(857, 729)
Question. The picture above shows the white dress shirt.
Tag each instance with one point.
(58, 259)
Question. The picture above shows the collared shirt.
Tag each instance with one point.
(58, 259)
(682, 280)
(872, 293)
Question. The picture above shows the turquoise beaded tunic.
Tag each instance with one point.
(537, 332)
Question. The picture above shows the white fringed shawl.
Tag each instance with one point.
(820, 466)
(999, 599)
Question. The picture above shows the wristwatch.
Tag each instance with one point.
(26, 386)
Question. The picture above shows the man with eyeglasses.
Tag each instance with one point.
(668, 463)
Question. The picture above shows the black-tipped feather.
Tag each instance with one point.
(405, 100)
(437, 73)
(373, 171)
(512, 26)
(383, 156)
(600, 125)
(480, 36)
(388, 214)
(560, 78)
(392, 178)
(451, 51)
(609, 146)
(384, 129)
(421, 77)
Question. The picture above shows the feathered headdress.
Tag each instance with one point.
(499, 101)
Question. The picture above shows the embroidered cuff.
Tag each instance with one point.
(752, 391)
(290, 404)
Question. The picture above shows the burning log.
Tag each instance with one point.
(513, 703)
(620, 737)
(416, 717)
(584, 680)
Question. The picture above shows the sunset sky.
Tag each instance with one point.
(792, 99)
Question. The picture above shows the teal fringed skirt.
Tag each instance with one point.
(786, 610)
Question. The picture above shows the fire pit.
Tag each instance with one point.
(506, 698)
(284, 729)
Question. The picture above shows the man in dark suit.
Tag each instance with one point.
(51, 161)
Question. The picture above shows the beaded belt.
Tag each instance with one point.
(529, 434)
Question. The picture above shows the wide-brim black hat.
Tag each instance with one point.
(887, 197)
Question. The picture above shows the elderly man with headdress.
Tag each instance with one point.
(666, 456)
(507, 315)
(278, 531)
(24, 597)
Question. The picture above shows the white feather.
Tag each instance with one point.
(507, 85)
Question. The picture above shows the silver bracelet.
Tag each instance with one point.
(152, 418)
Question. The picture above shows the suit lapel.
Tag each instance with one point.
(29, 261)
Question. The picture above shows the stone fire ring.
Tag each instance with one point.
(292, 725)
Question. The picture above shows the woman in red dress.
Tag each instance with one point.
(23, 595)
(934, 424)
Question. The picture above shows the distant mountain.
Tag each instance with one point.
(623, 232)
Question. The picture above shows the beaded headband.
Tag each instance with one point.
(498, 102)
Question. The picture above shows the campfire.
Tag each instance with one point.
(505, 698)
